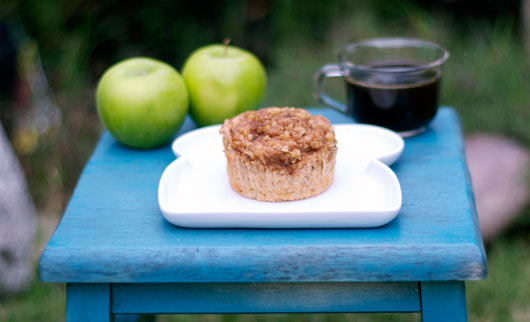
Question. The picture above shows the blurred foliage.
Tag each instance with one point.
(485, 79)
(88, 36)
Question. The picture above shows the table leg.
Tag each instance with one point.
(443, 301)
(87, 302)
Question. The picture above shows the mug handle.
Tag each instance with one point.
(328, 70)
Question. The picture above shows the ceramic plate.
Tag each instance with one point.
(369, 141)
(194, 189)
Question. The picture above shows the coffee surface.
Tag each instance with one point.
(399, 101)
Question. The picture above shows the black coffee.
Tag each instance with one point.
(400, 102)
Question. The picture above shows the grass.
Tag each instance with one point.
(41, 302)
(504, 295)
(486, 80)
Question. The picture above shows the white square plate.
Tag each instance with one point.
(194, 189)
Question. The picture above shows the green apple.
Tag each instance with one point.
(222, 82)
(142, 102)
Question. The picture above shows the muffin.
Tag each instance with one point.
(279, 154)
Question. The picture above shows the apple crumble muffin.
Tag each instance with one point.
(279, 154)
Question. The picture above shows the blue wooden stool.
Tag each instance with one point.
(118, 255)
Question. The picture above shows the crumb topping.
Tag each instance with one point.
(276, 135)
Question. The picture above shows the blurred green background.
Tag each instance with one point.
(62, 47)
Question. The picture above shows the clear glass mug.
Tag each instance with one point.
(390, 82)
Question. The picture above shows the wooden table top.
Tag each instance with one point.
(113, 231)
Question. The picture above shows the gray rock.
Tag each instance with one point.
(499, 169)
(17, 223)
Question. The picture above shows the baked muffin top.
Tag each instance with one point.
(282, 136)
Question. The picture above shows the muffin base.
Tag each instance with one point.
(253, 179)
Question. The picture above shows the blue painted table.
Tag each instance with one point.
(118, 255)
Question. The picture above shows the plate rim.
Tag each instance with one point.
(388, 158)
(187, 135)
(388, 213)
(395, 154)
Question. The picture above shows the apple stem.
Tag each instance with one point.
(225, 43)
